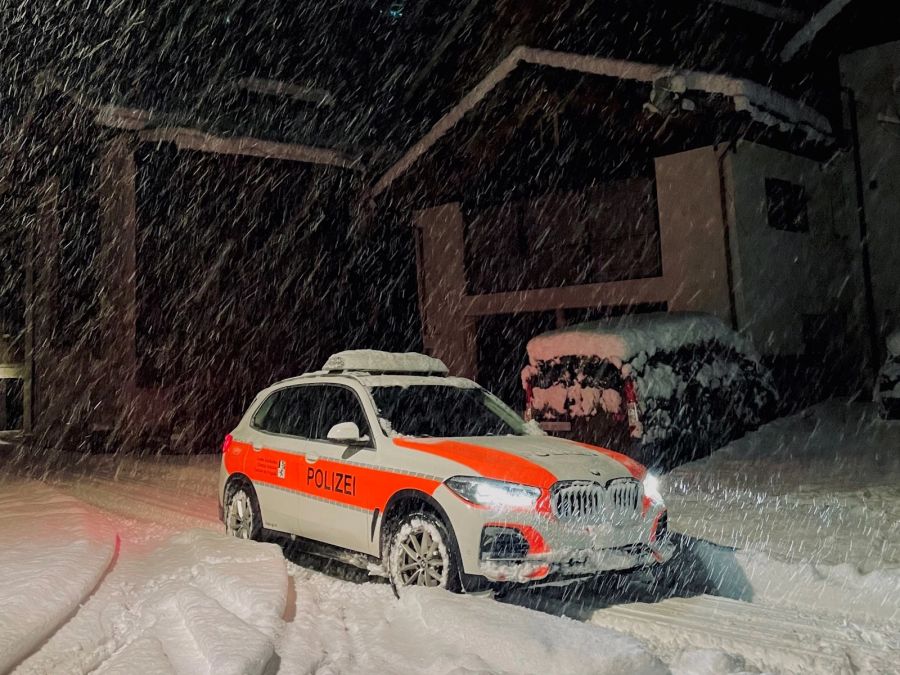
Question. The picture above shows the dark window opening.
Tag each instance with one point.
(500, 341)
(608, 232)
(786, 206)
(12, 288)
(12, 404)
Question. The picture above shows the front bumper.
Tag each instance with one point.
(577, 562)
(537, 545)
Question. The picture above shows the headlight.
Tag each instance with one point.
(651, 488)
(496, 493)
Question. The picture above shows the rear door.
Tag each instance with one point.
(279, 430)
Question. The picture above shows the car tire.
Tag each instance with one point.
(242, 516)
(421, 552)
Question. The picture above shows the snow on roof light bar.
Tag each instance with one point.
(373, 361)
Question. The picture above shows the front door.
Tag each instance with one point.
(335, 483)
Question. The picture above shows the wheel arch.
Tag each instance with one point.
(238, 478)
(405, 501)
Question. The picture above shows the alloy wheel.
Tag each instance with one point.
(239, 522)
(421, 561)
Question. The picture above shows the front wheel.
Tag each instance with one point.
(242, 519)
(422, 553)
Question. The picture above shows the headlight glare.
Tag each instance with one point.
(495, 493)
(651, 488)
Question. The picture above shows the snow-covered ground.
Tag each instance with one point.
(790, 561)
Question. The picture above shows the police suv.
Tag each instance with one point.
(387, 456)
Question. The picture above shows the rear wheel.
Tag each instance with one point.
(242, 518)
(422, 553)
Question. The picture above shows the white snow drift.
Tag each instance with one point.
(53, 552)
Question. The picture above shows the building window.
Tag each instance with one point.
(605, 233)
(786, 206)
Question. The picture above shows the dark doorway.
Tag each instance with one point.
(501, 340)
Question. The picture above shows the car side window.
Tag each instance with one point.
(340, 404)
(268, 416)
(301, 411)
(290, 412)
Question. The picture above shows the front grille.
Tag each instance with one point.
(587, 501)
(625, 494)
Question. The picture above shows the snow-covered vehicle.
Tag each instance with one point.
(661, 388)
(887, 387)
(433, 478)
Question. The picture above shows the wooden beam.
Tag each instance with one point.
(808, 32)
(192, 139)
(297, 92)
(774, 12)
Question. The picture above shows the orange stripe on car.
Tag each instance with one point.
(636, 469)
(488, 462)
(364, 487)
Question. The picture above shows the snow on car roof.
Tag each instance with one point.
(620, 339)
(374, 361)
(375, 380)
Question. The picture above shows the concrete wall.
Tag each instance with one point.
(695, 267)
(874, 76)
(782, 275)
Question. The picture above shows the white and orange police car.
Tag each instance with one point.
(387, 456)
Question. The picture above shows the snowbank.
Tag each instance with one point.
(201, 604)
(53, 552)
(621, 339)
(366, 630)
(821, 487)
(811, 503)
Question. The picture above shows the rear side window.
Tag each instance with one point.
(290, 412)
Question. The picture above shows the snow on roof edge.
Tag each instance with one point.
(620, 339)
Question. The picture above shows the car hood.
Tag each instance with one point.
(532, 460)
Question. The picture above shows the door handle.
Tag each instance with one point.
(257, 448)
(312, 459)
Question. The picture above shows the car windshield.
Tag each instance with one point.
(444, 411)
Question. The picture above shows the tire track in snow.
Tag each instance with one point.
(772, 639)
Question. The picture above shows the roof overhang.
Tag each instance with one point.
(152, 126)
(151, 129)
(763, 104)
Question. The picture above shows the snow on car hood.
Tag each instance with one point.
(533, 460)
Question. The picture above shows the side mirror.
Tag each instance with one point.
(346, 433)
